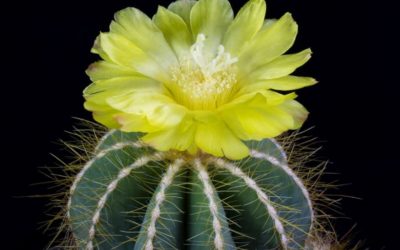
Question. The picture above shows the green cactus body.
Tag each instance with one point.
(130, 196)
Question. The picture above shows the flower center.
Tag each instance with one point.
(203, 82)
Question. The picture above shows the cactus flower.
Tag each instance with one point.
(195, 78)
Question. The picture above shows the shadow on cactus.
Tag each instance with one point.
(193, 99)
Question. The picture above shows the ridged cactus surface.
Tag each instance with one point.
(132, 197)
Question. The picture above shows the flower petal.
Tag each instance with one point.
(175, 31)
(107, 118)
(246, 24)
(140, 30)
(268, 44)
(284, 83)
(103, 113)
(136, 123)
(97, 49)
(257, 124)
(259, 118)
(122, 52)
(272, 97)
(281, 66)
(215, 138)
(97, 93)
(297, 111)
(180, 137)
(123, 84)
(211, 18)
(268, 22)
(160, 110)
(102, 70)
(183, 9)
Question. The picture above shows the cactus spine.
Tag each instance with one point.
(130, 196)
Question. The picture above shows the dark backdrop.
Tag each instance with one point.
(47, 50)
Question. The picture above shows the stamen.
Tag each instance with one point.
(201, 82)
(197, 51)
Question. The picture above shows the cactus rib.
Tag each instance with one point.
(130, 196)
(99, 155)
(208, 223)
(166, 221)
(160, 198)
(262, 196)
(289, 172)
(111, 187)
(103, 139)
(208, 191)
(279, 147)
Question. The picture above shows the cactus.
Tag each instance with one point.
(130, 196)
(193, 98)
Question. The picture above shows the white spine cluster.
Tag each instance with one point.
(212, 205)
(160, 198)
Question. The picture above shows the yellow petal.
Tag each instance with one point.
(268, 44)
(134, 123)
(180, 137)
(216, 138)
(211, 18)
(258, 118)
(107, 118)
(118, 49)
(297, 111)
(257, 124)
(284, 83)
(183, 8)
(246, 24)
(138, 102)
(116, 86)
(160, 110)
(97, 93)
(272, 97)
(97, 101)
(122, 52)
(96, 104)
(102, 70)
(268, 22)
(175, 31)
(281, 66)
(140, 30)
(97, 49)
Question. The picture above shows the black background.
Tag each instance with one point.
(353, 107)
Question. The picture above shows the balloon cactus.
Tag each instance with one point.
(193, 100)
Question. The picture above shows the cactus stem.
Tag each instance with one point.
(289, 171)
(279, 146)
(124, 172)
(116, 147)
(105, 137)
(160, 198)
(208, 191)
(262, 196)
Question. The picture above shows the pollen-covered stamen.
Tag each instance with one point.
(202, 81)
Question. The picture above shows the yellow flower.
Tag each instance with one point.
(197, 78)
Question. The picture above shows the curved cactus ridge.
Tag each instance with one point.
(130, 196)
